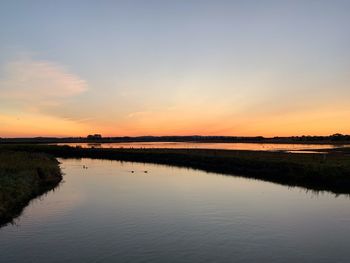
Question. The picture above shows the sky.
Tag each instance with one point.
(180, 67)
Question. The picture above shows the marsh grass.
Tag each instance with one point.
(330, 172)
(23, 176)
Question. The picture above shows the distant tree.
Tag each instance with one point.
(337, 137)
(94, 137)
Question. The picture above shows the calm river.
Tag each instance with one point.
(107, 213)
(225, 146)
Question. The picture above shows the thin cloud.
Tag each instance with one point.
(34, 83)
(139, 114)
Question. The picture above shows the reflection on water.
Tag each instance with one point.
(106, 213)
(226, 146)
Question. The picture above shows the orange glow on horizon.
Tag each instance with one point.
(323, 122)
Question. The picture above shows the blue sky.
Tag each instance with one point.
(174, 67)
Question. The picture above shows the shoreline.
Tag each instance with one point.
(320, 172)
(54, 142)
(335, 139)
(23, 177)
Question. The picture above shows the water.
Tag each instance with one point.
(305, 148)
(107, 214)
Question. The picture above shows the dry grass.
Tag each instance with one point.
(24, 176)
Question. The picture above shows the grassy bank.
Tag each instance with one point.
(329, 172)
(23, 176)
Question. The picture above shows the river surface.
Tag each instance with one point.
(107, 213)
(226, 146)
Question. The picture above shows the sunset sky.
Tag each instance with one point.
(72, 68)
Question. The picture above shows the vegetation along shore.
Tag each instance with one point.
(24, 176)
(335, 139)
(316, 171)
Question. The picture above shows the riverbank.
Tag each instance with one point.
(335, 139)
(24, 176)
(329, 172)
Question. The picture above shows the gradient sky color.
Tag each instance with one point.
(71, 68)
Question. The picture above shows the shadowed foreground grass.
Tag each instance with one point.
(330, 172)
(23, 176)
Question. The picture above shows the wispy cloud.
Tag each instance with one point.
(139, 114)
(35, 83)
(34, 96)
